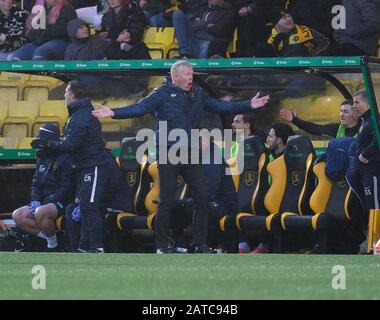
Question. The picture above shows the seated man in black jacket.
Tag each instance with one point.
(52, 187)
(348, 127)
(124, 49)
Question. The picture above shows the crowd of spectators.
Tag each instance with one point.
(56, 29)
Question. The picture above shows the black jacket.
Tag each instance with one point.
(53, 31)
(53, 180)
(129, 17)
(83, 138)
(90, 48)
(368, 146)
(181, 110)
(139, 51)
(330, 129)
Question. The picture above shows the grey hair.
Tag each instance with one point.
(178, 64)
(362, 94)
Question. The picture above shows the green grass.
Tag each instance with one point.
(150, 276)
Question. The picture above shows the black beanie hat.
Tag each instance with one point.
(49, 131)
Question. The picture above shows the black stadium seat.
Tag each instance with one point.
(289, 193)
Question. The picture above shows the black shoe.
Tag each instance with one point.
(97, 250)
(203, 248)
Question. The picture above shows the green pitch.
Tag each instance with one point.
(218, 276)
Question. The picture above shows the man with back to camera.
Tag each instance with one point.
(52, 191)
(85, 144)
(180, 105)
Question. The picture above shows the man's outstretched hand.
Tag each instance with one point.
(103, 112)
(258, 102)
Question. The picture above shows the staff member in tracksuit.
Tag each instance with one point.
(180, 106)
(368, 152)
(84, 142)
(52, 187)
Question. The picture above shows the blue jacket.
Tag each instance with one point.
(368, 146)
(181, 110)
(53, 180)
(83, 138)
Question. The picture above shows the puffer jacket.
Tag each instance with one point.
(83, 138)
(180, 109)
(53, 180)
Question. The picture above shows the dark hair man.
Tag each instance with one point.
(85, 144)
(180, 105)
(52, 189)
(245, 122)
(348, 127)
(277, 139)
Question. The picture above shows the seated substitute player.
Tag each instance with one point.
(52, 189)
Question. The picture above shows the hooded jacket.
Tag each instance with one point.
(90, 48)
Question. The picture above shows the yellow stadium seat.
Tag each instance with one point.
(51, 111)
(231, 50)
(158, 40)
(24, 143)
(9, 93)
(378, 49)
(37, 87)
(36, 94)
(8, 143)
(21, 114)
(173, 50)
(3, 110)
(11, 85)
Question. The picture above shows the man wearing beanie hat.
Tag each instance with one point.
(52, 186)
(292, 40)
(83, 46)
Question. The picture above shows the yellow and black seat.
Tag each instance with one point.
(135, 181)
(290, 190)
(336, 208)
(251, 181)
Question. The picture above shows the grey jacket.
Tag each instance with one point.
(362, 25)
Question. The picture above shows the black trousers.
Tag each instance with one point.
(92, 191)
(371, 185)
(193, 175)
